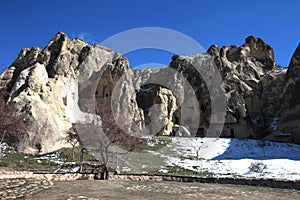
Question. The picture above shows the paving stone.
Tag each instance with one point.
(20, 188)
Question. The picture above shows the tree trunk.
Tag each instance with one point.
(73, 153)
(103, 174)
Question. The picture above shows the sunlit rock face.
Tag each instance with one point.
(245, 70)
(66, 82)
(55, 85)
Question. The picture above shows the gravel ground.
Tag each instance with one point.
(89, 189)
(21, 188)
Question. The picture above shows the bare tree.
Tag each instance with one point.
(12, 125)
(105, 138)
(73, 139)
(197, 147)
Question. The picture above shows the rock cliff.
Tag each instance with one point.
(63, 83)
(289, 116)
(55, 86)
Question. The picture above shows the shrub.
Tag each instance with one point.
(257, 167)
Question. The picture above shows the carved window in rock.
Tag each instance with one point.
(65, 101)
(106, 91)
(224, 133)
(231, 132)
(98, 93)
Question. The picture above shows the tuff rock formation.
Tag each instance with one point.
(289, 116)
(64, 83)
(54, 86)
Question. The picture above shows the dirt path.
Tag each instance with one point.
(130, 190)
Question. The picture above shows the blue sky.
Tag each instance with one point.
(33, 23)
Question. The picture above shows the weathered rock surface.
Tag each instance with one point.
(244, 70)
(62, 83)
(55, 85)
(159, 105)
(289, 118)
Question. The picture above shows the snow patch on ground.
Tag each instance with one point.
(126, 169)
(53, 157)
(224, 157)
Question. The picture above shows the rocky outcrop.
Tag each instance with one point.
(267, 94)
(251, 85)
(288, 123)
(6, 77)
(55, 87)
(245, 70)
(159, 105)
(64, 83)
(292, 82)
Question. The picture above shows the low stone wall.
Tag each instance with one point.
(136, 177)
(14, 174)
(133, 177)
(51, 177)
(287, 184)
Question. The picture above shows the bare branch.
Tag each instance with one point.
(12, 125)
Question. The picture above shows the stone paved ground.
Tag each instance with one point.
(92, 190)
(21, 188)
